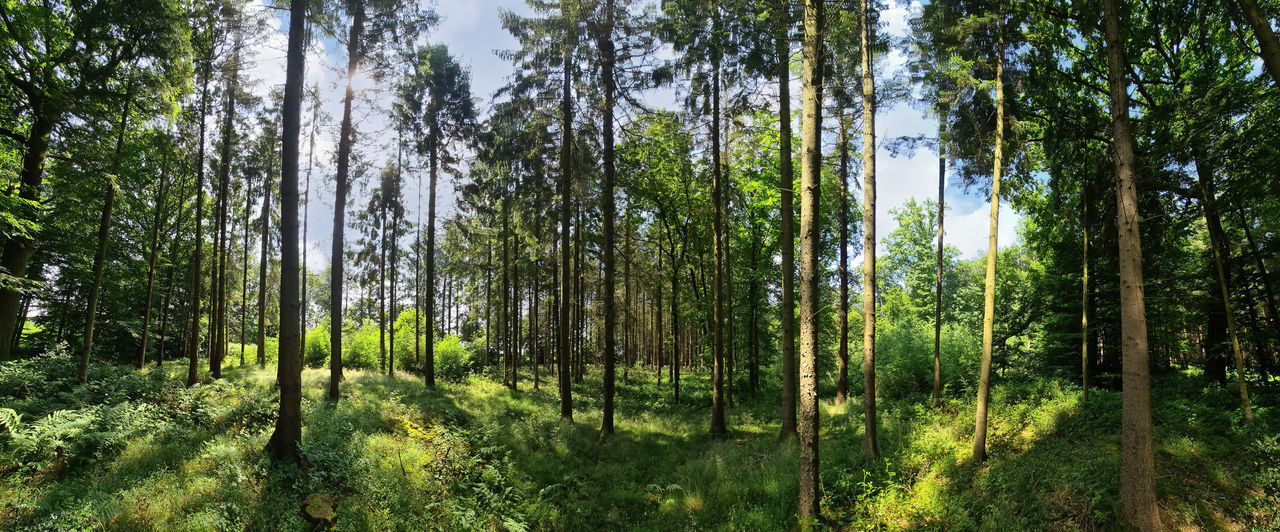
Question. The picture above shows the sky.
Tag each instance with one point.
(472, 31)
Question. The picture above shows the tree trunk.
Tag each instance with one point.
(1137, 468)
(18, 249)
(810, 190)
(218, 350)
(605, 43)
(164, 317)
(193, 334)
(162, 189)
(288, 432)
(262, 268)
(782, 43)
(1267, 42)
(244, 277)
(870, 446)
(937, 289)
(306, 202)
(718, 428)
(340, 199)
(104, 231)
(1221, 253)
(566, 177)
(1084, 292)
(989, 294)
(842, 358)
(382, 283)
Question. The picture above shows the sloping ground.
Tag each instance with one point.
(137, 451)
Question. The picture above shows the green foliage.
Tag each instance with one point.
(317, 351)
(904, 357)
(454, 361)
(362, 348)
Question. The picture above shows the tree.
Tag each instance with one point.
(283, 444)
(60, 57)
(440, 97)
(810, 169)
(1137, 467)
(870, 448)
(1268, 44)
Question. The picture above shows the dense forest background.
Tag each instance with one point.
(623, 289)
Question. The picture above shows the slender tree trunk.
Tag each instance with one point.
(104, 232)
(566, 176)
(718, 428)
(283, 444)
(937, 289)
(989, 295)
(870, 445)
(193, 334)
(429, 365)
(810, 249)
(244, 277)
(162, 189)
(340, 200)
(164, 316)
(1084, 292)
(218, 350)
(306, 202)
(1137, 467)
(782, 42)
(1221, 254)
(262, 268)
(842, 358)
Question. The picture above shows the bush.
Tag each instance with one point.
(362, 348)
(454, 361)
(316, 353)
(904, 353)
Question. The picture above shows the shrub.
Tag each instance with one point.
(904, 353)
(454, 361)
(362, 348)
(316, 353)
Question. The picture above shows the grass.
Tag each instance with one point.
(137, 451)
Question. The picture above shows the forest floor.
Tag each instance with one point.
(138, 451)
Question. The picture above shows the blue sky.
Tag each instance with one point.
(472, 31)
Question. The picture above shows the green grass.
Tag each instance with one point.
(137, 451)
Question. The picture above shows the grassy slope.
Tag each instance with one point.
(475, 455)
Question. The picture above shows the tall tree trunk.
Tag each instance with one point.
(718, 428)
(340, 199)
(17, 250)
(605, 43)
(162, 189)
(391, 332)
(104, 232)
(870, 446)
(782, 43)
(1267, 42)
(989, 294)
(1221, 254)
(1137, 467)
(193, 333)
(566, 176)
(262, 268)
(810, 249)
(306, 202)
(842, 354)
(244, 277)
(1269, 296)
(288, 432)
(218, 350)
(429, 365)
(937, 289)
(1084, 292)
(164, 316)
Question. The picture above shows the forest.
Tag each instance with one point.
(319, 264)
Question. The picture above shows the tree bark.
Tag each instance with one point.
(18, 249)
(193, 333)
(162, 189)
(283, 444)
(870, 445)
(989, 294)
(782, 42)
(937, 289)
(842, 354)
(1267, 42)
(718, 428)
(605, 43)
(810, 190)
(566, 176)
(262, 267)
(1084, 292)
(1137, 468)
(340, 200)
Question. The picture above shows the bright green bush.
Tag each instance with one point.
(316, 352)
(454, 361)
(362, 348)
(904, 358)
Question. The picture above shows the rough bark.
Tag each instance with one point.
(937, 288)
(262, 266)
(566, 176)
(1137, 467)
(162, 189)
(718, 428)
(283, 444)
(842, 354)
(1268, 44)
(193, 333)
(605, 43)
(810, 189)
(18, 249)
(870, 446)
